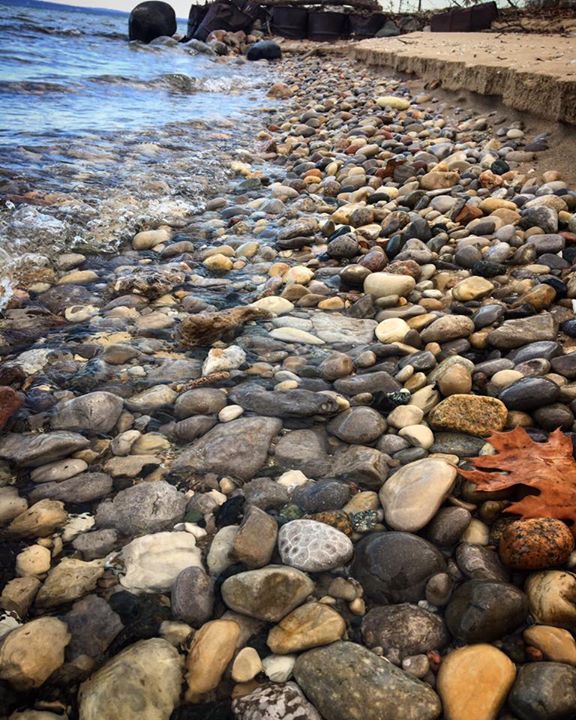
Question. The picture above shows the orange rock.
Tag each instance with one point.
(536, 543)
(10, 402)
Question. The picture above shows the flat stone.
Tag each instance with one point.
(132, 679)
(394, 567)
(152, 399)
(474, 681)
(412, 495)
(313, 546)
(380, 284)
(516, 333)
(267, 594)
(329, 677)
(310, 625)
(33, 450)
(471, 414)
(529, 394)
(82, 488)
(238, 448)
(336, 328)
(144, 508)
(58, 471)
(94, 413)
(153, 562)
(449, 327)
(379, 381)
(407, 628)
(289, 403)
(200, 401)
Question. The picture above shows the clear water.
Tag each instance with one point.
(100, 137)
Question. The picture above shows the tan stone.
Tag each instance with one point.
(552, 598)
(39, 520)
(213, 648)
(556, 644)
(34, 560)
(308, 626)
(472, 414)
(18, 594)
(472, 288)
(31, 653)
(218, 263)
(455, 380)
(365, 500)
(439, 180)
(474, 681)
(68, 581)
(491, 204)
(246, 666)
(148, 239)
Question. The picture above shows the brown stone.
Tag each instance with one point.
(474, 681)
(310, 625)
(213, 648)
(540, 297)
(554, 643)
(536, 544)
(472, 414)
(10, 402)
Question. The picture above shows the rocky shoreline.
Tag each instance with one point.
(237, 463)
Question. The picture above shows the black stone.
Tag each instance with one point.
(499, 167)
(230, 512)
(321, 495)
(264, 50)
(529, 394)
(394, 567)
(544, 691)
(150, 20)
(485, 610)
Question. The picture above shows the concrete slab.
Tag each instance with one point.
(535, 73)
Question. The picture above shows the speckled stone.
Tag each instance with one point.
(472, 414)
(283, 701)
(313, 546)
(345, 680)
(536, 544)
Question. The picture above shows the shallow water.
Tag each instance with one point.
(100, 137)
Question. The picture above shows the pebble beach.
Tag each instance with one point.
(233, 449)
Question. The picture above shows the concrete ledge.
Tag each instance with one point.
(535, 73)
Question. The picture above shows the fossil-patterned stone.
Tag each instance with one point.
(283, 701)
(313, 546)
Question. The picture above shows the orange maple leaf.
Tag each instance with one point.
(547, 467)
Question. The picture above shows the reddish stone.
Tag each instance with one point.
(10, 401)
(467, 214)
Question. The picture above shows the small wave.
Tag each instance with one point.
(31, 87)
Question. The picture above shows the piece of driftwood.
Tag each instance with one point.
(363, 4)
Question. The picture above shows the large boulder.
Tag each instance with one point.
(150, 20)
(264, 50)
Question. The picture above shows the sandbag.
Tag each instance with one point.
(195, 17)
(290, 22)
(365, 26)
(223, 16)
(326, 26)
